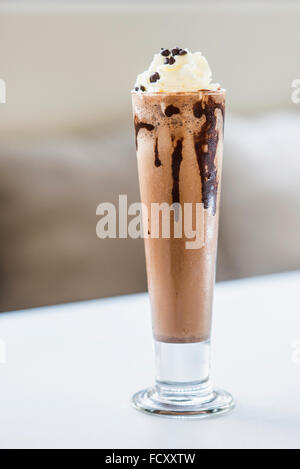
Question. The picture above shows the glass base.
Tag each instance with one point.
(150, 402)
(182, 387)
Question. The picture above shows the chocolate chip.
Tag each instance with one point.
(166, 61)
(182, 52)
(153, 78)
(142, 88)
(165, 52)
(171, 60)
(175, 51)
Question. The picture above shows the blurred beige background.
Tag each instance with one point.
(66, 138)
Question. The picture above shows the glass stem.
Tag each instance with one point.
(183, 371)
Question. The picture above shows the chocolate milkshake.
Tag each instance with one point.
(179, 119)
(179, 139)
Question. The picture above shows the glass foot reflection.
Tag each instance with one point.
(215, 402)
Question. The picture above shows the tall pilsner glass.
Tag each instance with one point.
(179, 141)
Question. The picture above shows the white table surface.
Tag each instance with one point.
(70, 372)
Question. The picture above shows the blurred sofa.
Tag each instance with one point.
(50, 190)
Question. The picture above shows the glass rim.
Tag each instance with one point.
(219, 91)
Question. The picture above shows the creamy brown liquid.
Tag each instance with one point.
(179, 139)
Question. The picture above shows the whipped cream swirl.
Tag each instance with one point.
(175, 70)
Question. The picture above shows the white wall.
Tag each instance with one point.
(71, 65)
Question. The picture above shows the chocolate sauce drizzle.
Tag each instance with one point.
(176, 162)
(205, 143)
(141, 125)
(157, 161)
(170, 110)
